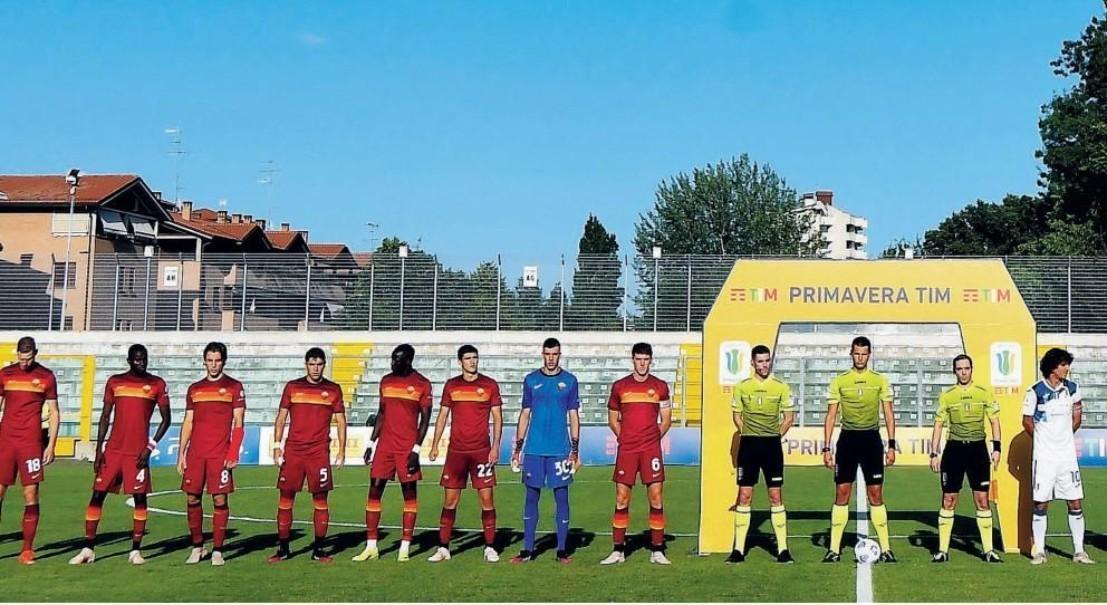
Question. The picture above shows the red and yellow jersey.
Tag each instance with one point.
(24, 393)
(212, 403)
(132, 398)
(639, 403)
(401, 399)
(310, 409)
(470, 406)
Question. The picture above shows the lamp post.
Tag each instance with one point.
(73, 179)
(656, 281)
(403, 262)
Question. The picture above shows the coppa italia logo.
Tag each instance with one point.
(753, 295)
(733, 361)
(990, 295)
(1006, 361)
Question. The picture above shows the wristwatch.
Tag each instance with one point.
(826, 450)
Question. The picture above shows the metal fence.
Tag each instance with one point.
(244, 292)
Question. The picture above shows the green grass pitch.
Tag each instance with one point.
(912, 496)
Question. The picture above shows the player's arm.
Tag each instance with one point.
(828, 433)
(521, 429)
(102, 429)
(278, 434)
(1029, 405)
(574, 437)
(152, 444)
(424, 424)
(497, 433)
(238, 424)
(789, 409)
(615, 421)
(936, 442)
(886, 402)
(378, 422)
(1077, 413)
(185, 440)
(340, 457)
(1028, 425)
(439, 429)
(53, 423)
(666, 413)
(997, 440)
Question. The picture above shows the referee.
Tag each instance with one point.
(965, 407)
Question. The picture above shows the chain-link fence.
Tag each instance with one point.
(244, 292)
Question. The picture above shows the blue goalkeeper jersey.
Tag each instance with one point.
(549, 399)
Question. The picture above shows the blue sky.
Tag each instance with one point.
(480, 128)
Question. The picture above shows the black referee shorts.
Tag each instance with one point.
(760, 455)
(965, 458)
(859, 448)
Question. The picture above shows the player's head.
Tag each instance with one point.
(551, 354)
(137, 358)
(215, 356)
(402, 357)
(761, 358)
(315, 360)
(962, 367)
(1055, 364)
(468, 358)
(25, 351)
(859, 351)
(641, 354)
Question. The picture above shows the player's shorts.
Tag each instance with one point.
(966, 458)
(1057, 479)
(315, 468)
(461, 466)
(859, 448)
(647, 464)
(120, 472)
(24, 459)
(206, 472)
(547, 471)
(757, 455)
(393, 465)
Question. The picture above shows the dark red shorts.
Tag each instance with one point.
(315, 468)
(24, 459)
(392, 465)
(120, 471)
(207, 472)
(648, 464)
(461, 466)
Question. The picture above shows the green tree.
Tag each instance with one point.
(988, 229)
(597, 294)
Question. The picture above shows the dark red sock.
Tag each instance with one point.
(488, 523)
(138, 524)
(196, 523)
(619, 522)
(657, 527)
(30, 525)
(411, 507)
(219, 519)
(284, 514)
(446, 526)
(92, 520)
(321, 517)
(372, 516)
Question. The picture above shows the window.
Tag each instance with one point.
(59, 275)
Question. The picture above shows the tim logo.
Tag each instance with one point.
(734, 361)
(991, 295)
(1006, 359)
(753, 295)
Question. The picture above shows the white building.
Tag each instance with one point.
(843, 234)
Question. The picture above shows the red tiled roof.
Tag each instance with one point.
(328, 250)
(282, 239)
(234, 231)
(93, 188)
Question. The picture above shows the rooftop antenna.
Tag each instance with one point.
(176, 150)
(268, 170)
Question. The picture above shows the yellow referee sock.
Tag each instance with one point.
(984, 524)
(945, 529)
(780, 527)
(741, 527)
(879, 517)
(839, 516)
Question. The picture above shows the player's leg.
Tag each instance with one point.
(984, 526)
(774, 482)
(138, 528)
(195, 514)
(450, 498)
(488, 523)
(320, 520)
(619, 521)
(220, 515)
(30, 523)
(410, 491)
(1045, 478)
(845, 473)
(872, 465)
(951, 473)
(92, 521)
(286, 498)
(534, 478)
(1071, 489)
(979, 472)
(655, 493)
(373, 512)
(561, 518)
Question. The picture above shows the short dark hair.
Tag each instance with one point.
(759, 350)
(551, 343)
(1053, 358)
(961, 357)
(26, 345)
(464, 350)
(216, 347)
(135, 349)
(315, 353)
(641, 348)
(860, 341)
(410, 350)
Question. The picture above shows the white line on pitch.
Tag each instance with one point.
(864, 571)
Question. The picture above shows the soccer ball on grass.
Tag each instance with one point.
(867, 551)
